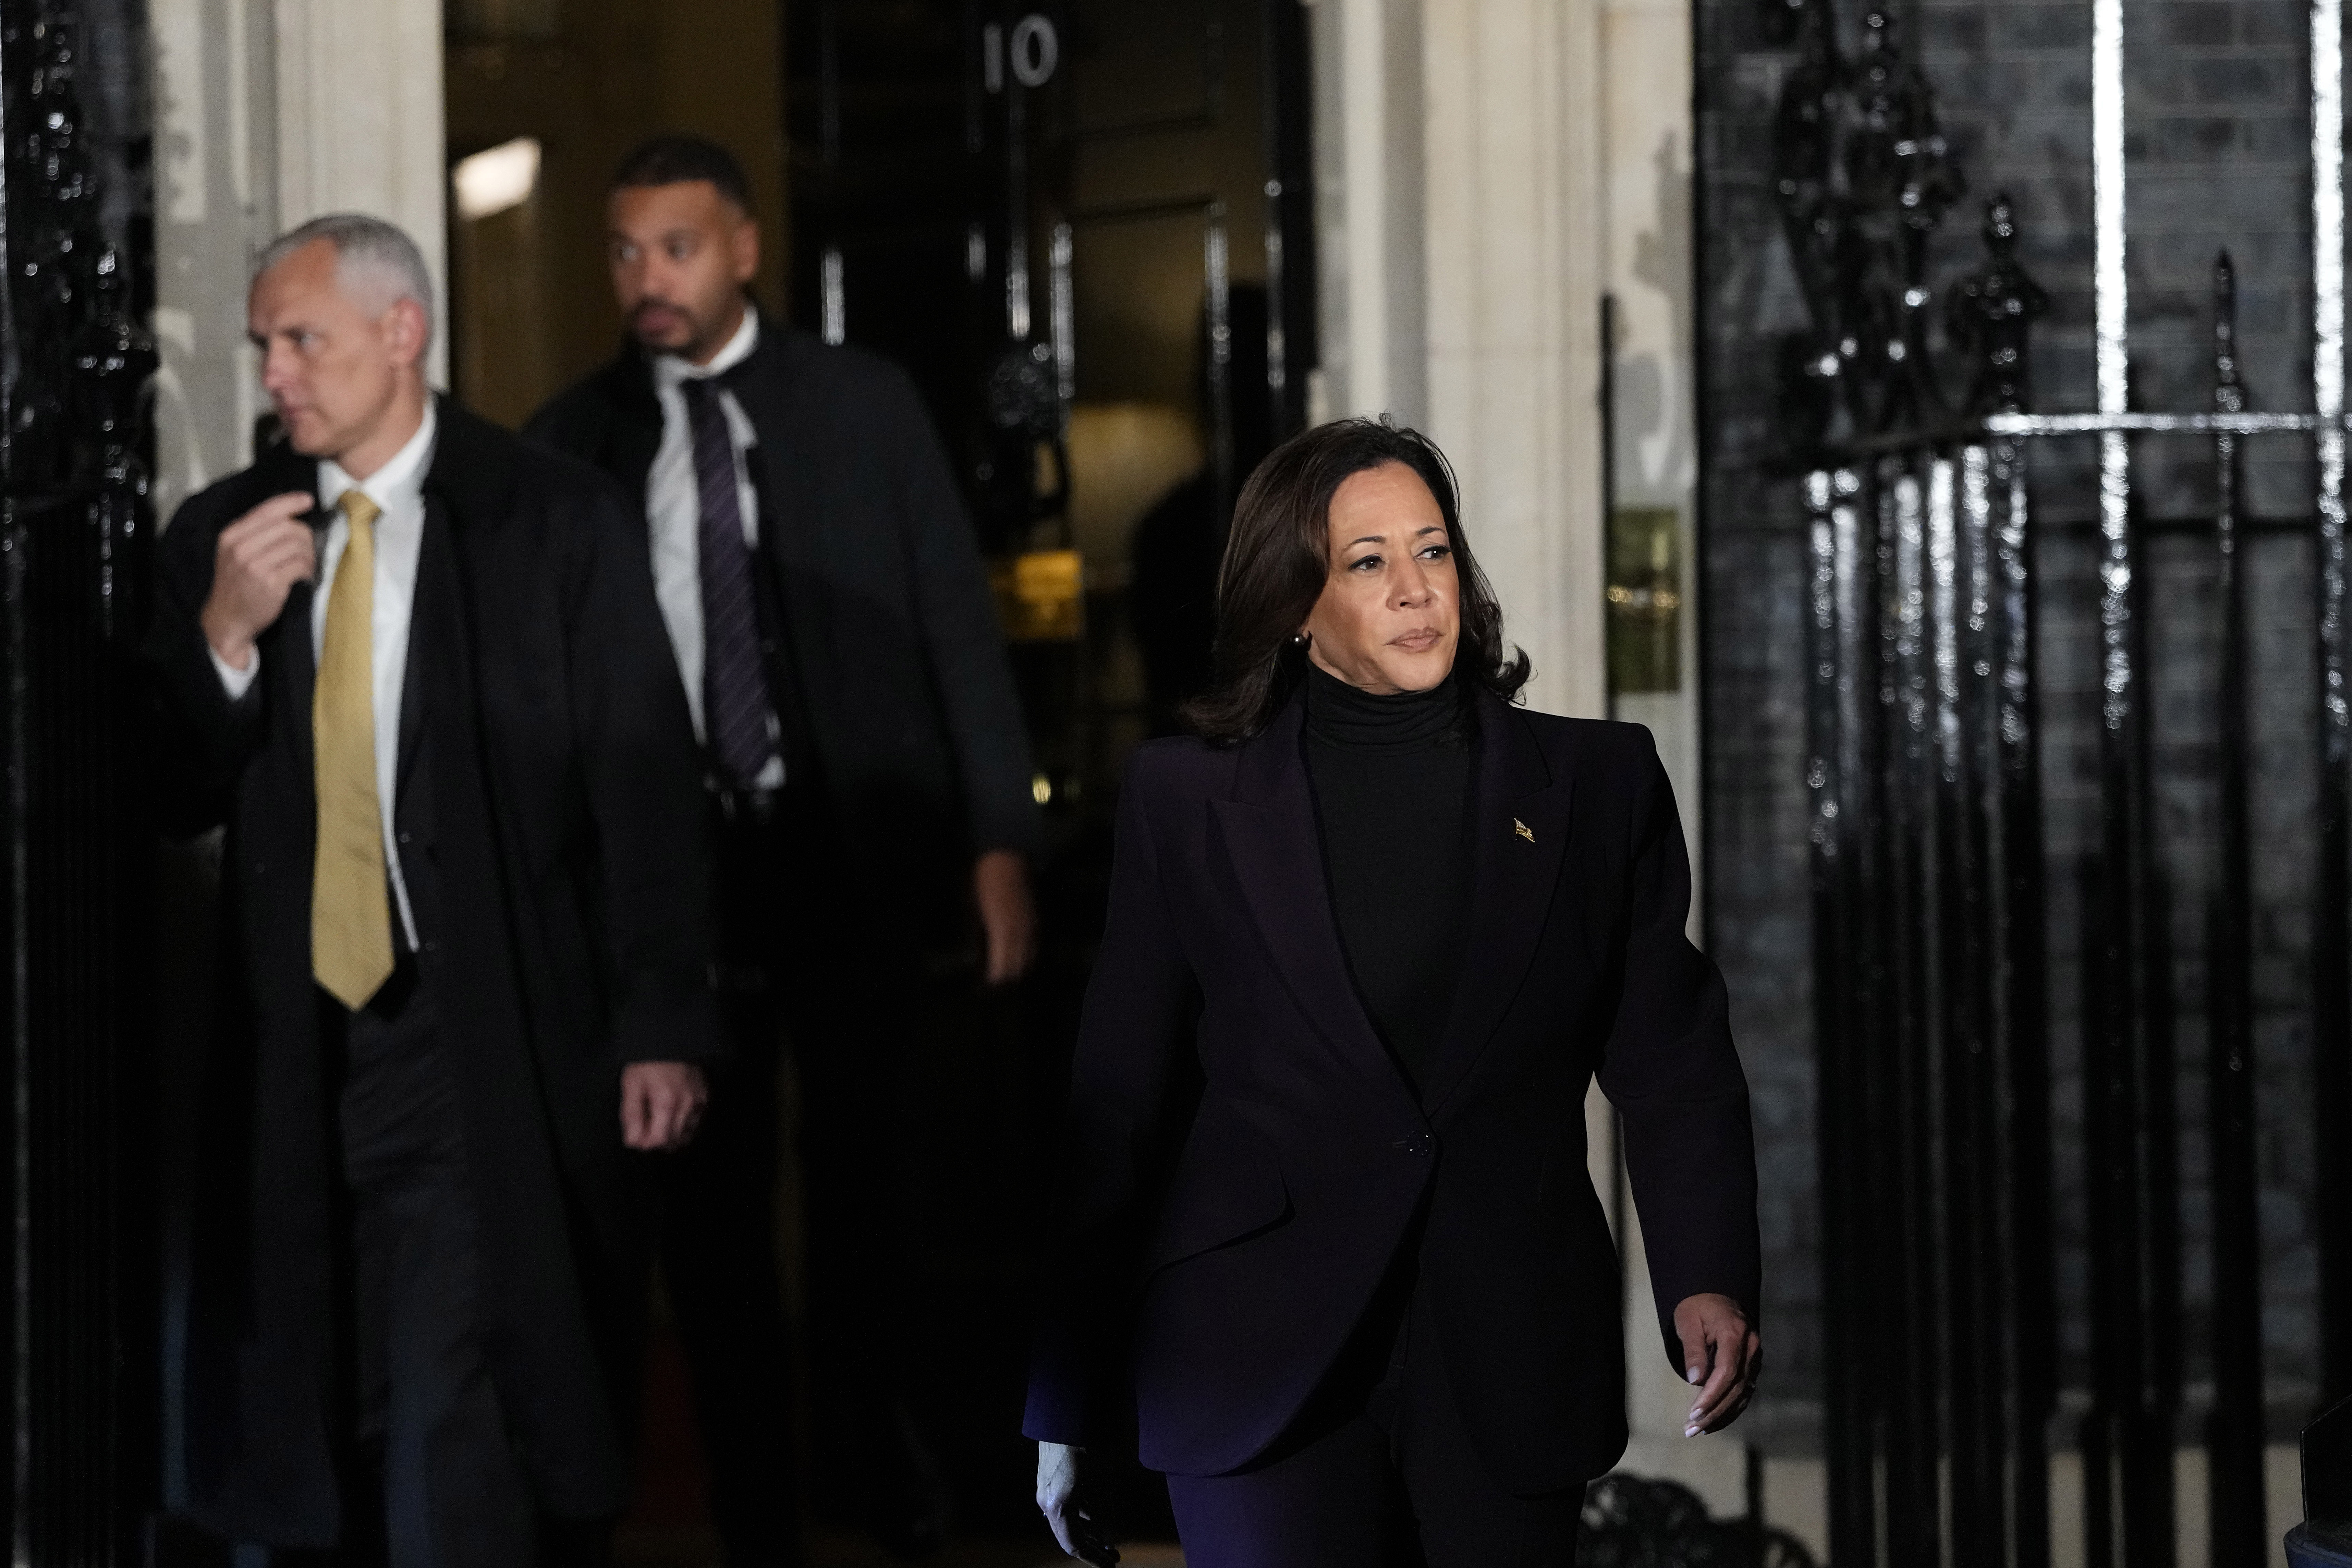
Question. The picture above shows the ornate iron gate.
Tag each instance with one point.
(1928, 857)
(74, 525)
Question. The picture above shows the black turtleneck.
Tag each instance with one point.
(1391, 777)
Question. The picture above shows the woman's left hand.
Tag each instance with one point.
(1074, 1529)
(1722, 1354)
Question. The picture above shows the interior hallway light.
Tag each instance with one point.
(496, 178)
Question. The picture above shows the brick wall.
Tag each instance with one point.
(2216, 143)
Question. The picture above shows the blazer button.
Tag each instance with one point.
(404, 840)
(1419, 1145)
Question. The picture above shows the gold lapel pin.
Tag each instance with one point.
(1523, 830)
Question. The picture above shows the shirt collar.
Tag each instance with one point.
(399, 484)
(670, 369)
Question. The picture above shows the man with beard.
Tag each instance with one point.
(865, 755)
(414, 667)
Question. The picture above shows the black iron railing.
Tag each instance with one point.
(74, 523)
(1929, 951)
(1930, 887)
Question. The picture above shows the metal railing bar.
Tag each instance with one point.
(2151, 423)
(1961, 432)
(2233, 1428)
(2167, 527)
(2331, 1024)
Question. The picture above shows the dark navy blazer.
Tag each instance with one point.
(1228, 1218)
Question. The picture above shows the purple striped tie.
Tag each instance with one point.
(736, 715)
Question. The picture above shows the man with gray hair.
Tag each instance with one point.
(415, 668)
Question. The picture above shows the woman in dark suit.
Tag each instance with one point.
(1370, 936)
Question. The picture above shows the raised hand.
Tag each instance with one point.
(255, 564)
(661, 1105)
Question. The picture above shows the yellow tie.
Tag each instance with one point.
(351, 916)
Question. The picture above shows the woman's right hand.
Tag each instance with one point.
(1075, 1529)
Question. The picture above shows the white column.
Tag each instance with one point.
(1645, 81)
(1513, 238)
(1364, 58)
(1645, 43)
(1369, 203)
(360, 124)
(1487, 170)
(269, 112)
(216, 205)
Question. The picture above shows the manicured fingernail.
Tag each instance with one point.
(1693, 1375)
(1691, 1431)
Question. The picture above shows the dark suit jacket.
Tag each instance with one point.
(892, 632)
(549, 807)
(1225, 1280)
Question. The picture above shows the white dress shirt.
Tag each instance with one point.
(674, 511)
(398, 491)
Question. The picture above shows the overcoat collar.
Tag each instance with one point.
(628, 377)
(629, 383)
(1519, 815)
(286, 644)
(631, 436)
(281, 468)
(473, 471)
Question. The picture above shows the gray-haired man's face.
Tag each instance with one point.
(333, 365)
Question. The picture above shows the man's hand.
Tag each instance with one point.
(256, 564)
(661, 1104)
(1074, 1529)
(1722, 1354)
(999, 884)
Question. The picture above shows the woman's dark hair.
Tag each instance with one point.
(1278, 556)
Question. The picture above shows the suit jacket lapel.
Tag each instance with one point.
(288, 646)
(1276, 849)
(633, 439)
(412, 684)
(1519, 833)
(286, 643)
(782, 473)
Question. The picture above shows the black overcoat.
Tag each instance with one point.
(1217, 1265)
(892, 644)
(551, 803)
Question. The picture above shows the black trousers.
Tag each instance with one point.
(1377, 1472)
(430, 1478)
(719, 1262)
(804, 958)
